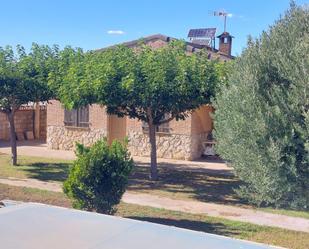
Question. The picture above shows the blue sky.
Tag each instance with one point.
(86, 24)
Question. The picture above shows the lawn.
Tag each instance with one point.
(269, 235)
(45, 169)
(180, 183)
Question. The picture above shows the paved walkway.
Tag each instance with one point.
(36, 148)
(196, 207)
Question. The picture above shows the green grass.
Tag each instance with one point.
(293, 213)
(44, 169)
(203, 223)
(184, 184)
(178, 184)
(33, 195)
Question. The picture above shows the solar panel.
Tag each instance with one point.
(205, 33)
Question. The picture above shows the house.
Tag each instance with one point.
(176, 139)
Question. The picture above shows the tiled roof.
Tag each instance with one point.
(191, 47)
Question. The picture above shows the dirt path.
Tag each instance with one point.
(216, 210)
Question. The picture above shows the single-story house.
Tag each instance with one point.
(176, 139)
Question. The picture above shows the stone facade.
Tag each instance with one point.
(173, 146)
(184, 141)
(64, 138)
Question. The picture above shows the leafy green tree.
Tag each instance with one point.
(23, 79)
(99, 176)
(153, 85)
(262, 116)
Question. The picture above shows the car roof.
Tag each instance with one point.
(33, 225)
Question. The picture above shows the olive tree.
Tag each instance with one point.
(23, 79)
(262, 116)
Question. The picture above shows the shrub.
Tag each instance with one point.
(99, 176)
(262, 116)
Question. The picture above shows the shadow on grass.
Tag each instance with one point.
(205, 185)
(48, 171)
(213, 227)
(175, 180)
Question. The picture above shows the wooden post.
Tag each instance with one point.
(37, 121)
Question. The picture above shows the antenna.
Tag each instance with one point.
(223, 14)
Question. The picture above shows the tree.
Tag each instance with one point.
(23, 79)
(262, 116)
(153, 85)
(99, 176)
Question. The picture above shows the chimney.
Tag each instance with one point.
(225, 43)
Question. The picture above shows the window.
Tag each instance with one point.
(77, 117)
(164, 128)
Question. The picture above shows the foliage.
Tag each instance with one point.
(262, 117)
(99, 176)
(152, 85)
(23, 79)
(72, 78)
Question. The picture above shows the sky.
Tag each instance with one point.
(93, 24)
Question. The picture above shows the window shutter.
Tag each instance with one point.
(83, 116)
(70, 117)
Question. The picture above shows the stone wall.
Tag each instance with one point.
(173, 146)
(64, 138)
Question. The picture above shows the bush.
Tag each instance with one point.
(99, 176)
(262, 117)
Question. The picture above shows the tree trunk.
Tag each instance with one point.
(153, 154)
(12, 137)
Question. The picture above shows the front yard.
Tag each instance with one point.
(197, 184)
(183, 183)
